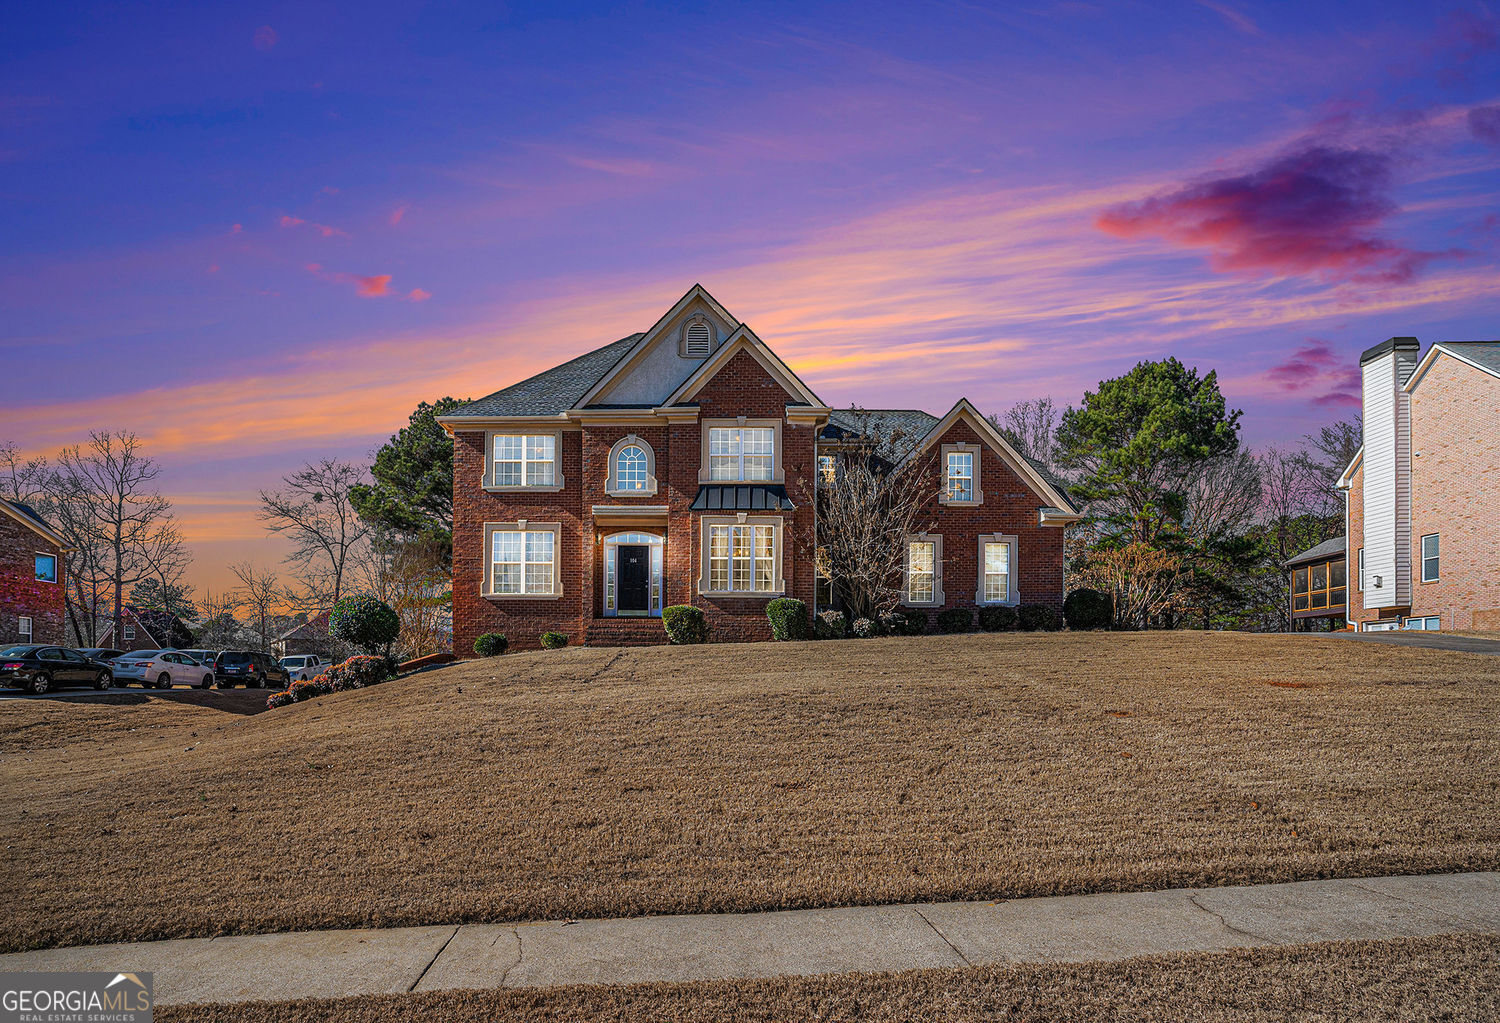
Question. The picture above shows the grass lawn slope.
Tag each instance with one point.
(610, 782)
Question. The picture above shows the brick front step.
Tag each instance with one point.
(624, 632)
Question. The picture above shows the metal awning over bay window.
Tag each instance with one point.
(768, 497)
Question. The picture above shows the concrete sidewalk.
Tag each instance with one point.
(330, 964)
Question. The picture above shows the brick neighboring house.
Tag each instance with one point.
(1422, 496)
(140, 629)
(680, 466)
(33, 577)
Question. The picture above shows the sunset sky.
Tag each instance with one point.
(258, 234)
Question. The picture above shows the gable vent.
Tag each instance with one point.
(697, 340)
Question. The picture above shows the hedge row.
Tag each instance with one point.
(355, 673)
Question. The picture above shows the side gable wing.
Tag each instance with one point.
(1022, 467)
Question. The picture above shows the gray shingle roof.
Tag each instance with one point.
(552, 391)
(1485, 353)
(1326, 549)
(30, 512)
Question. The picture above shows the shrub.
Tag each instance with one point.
(788, 618)
(1038, 617)
(864, 628)
(491, 644)
(554, 640)
(365, 622)
(956, 619)
(362, 671)
(301, 691)
(685, 624)
(997, 619)
(281, 699)
(1089, 609)
(893, 623)
(831, 625)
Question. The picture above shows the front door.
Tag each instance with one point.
(634, 563)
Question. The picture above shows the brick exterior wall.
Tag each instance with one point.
(741, 388)
(1010, 507)
(20, 592)
(1455, 414)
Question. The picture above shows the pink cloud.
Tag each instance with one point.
(1310, 211)
(287, 221)
(236, 228)
(373, 287)
(323, 229)
(265, 37)
(418, 295)
(398, 213)
(1316, 366)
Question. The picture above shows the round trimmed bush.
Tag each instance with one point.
(491, 644)
(1089, 609)
(365, 622)
(997, 619)
(685, 624)
(1038, 618)
(554, 640)
(864, 628)
(788, 618)
(831, 625)
(956, 619)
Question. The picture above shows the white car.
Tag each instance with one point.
(161, 669)
(302, 667)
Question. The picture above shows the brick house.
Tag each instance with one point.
(1422, 496)
(308, 637)
(680, 466)
(33, 569)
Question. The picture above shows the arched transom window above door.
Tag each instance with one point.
(632, 468)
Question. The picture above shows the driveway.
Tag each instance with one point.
(1431, 640)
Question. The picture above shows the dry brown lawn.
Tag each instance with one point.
(608, 782)
(1451, 978)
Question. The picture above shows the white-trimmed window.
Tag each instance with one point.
(924, 570)
(828, 469)
(742, 555)
(997, 569)
(128, 631)
(632, 468)
(25, 628)
(960, 464)
(742, 453)
(524, 460)
(46, 568)
(1430, 564)
(1359, 582)
(523, 559)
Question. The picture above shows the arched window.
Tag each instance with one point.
(630, 468)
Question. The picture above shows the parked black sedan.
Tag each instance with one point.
(40, 668)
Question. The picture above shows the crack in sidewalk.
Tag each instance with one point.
(413, 985)
(943, 937)
(1226, 924)
(515, 933)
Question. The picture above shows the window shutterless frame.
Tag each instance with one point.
(523, 460)
(1430, 562)
(46, 568)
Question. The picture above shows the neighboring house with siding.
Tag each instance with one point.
(1422, 496)
(308, 637)
(33, 570)
(680, 466)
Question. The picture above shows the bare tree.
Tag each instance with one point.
(314, 512)
(1222, 496)
(412, 576)
(22, 479)
(217, 626)
(1329, 452)
(875, 497)
(103, 499)
(259, 596)
(1031, 428)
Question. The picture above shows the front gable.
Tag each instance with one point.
(964, 425)
(740, 352)
(690, 333)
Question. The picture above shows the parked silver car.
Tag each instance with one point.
(161, 669)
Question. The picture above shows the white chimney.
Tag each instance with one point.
(1387, 467)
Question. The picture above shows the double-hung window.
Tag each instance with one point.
(994, 567)
(1430, 558)
(960, 476)
(523, 562)
(46, 568)
(524, 460)
(923, 561)
(742, 558)
(25, 629)
(742, 453)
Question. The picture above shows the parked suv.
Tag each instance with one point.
(40, 668)
(302, 667)
(161, 669)
(251, 667)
